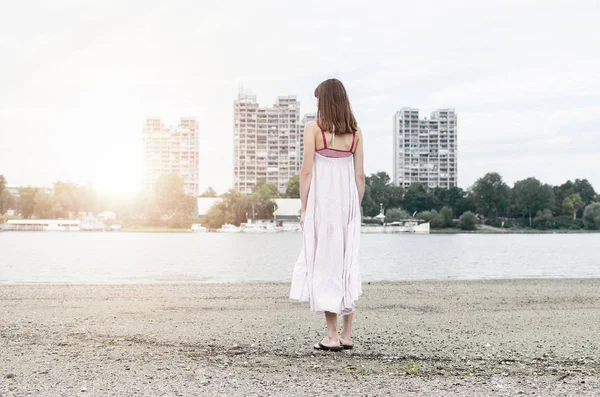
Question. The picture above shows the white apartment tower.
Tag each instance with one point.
(425, 151)
(168, 150)
(265, 142)
(305, 119)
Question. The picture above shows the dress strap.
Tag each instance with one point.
(324, 140)
(353, 138)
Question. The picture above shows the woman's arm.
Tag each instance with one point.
(359, 168)
(307, 163)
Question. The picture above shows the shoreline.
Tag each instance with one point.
(432, 231)
(467, 338)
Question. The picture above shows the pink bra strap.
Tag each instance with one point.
(324, 140)
(353, 138)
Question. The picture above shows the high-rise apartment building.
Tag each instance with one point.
(171, 150)
(305, 119)
(425, 150)
(265, 142)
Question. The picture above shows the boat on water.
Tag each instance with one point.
(91, 224)
(292, 228)
(53, 227)
(46, 225)
(198, 228)
(260, 227)
(417, 226)
(228, 228)
(409, 226)
(271, 229)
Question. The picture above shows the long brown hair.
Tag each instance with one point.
(334, 113)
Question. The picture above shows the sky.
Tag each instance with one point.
(77, 79)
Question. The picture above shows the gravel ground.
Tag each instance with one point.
(454, 338)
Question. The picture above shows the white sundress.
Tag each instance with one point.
(327, 271)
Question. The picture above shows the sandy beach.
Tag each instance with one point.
(453, 338)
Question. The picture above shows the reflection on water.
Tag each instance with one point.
(212, 257)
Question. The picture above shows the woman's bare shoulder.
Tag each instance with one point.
(358, 132)
(311, 127)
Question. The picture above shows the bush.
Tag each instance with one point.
(566, 222)
(438, 222)
(543, 220)
(179, 222)
(427, 216)
(468, 221)
(446, 214)
(591, 216)
(395, 214)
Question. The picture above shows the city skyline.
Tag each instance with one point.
(78, 81)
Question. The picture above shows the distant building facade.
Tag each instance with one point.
(305, 119)
(171, 150)
(265, 142)
(425, 150)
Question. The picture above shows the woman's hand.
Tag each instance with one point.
(302, 216)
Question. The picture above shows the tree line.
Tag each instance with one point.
(167, 205)
(529, 202)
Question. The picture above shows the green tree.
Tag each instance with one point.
(293, 187)
(262, 199)
(531, 196)
(168, 192)
(237, 207)
(560, 194)
(46, 206)
(468, 221)
(76, 198)
(491, 195)
(569, 188)
(573, 204)
(186, 206)
(2, 184)
(210, 192)
(418, 199)
(65, 194)
(369, 206)
(585, 189)
(216, 216)
(591, 216)
(3, 196)
(7, 201)
(27, 201)
(597, 198)
(380, 190)
(455, 198)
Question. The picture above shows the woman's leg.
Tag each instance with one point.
(346, 338)
(332, 339)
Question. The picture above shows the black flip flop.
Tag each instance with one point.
(347, 347)
(327, 348)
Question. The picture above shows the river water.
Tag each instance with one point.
(30, 257)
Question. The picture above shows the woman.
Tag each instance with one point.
(332, 184)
